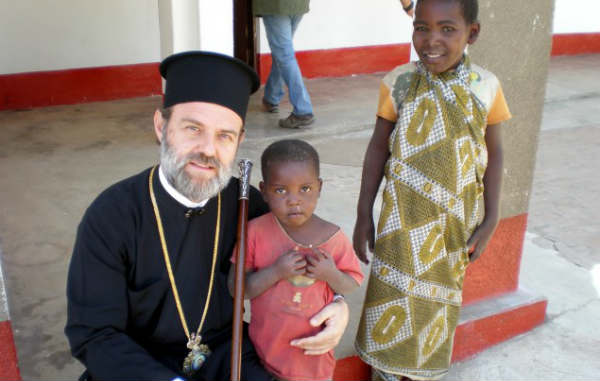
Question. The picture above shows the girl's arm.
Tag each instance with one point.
(492, 181)
(287, 265)
(373, 166)
(342, 283)
(321, 266)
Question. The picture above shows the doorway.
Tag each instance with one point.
(245, 32)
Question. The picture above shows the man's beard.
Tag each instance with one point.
(174, 169)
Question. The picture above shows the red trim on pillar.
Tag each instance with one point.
(575, 43)
(475, 336)
(49, 88)
(9, 367)
(496, 272)
(344, 61)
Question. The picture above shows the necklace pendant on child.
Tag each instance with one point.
(198, 354)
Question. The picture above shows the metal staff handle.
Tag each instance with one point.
(240, 276)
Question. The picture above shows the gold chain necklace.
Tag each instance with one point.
(198, 351)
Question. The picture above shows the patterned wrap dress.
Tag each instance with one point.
(432, 202)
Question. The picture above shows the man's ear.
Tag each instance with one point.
(474, 31)
(320, 185)
(159, 124)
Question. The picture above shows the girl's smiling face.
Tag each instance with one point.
(441, 34)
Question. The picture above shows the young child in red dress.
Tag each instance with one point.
(296, 262)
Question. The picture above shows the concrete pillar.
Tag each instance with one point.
(195, 25)
(179, 26)
(514, 44)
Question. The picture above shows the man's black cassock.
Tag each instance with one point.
(122, 318)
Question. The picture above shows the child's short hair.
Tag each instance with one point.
(287, 150)
(470, 9)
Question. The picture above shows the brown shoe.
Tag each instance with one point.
(297, 121)
(270, 107)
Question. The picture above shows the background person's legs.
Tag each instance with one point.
(280, 31)
(274, 86)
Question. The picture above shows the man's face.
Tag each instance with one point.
(198, 147)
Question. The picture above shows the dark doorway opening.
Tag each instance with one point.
(245, 33)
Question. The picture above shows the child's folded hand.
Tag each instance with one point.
(290, 264)
(320, 265)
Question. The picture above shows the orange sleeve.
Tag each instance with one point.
(385, 108)
(346, 260)
(499, 111)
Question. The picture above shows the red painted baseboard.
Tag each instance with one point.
(344, 61)
(9, 367)
(49, 88)
(371, 59)
(496, 272)
(575, 43)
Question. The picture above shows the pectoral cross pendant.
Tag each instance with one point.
(198, 354)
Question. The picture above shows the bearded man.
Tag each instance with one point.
(147, 288)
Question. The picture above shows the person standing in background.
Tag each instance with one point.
(409, 7)
(281, 19)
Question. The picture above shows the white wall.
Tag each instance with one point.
(62, 34)
(346, 23)
(216, 26)
(576, 16)
(43, 35)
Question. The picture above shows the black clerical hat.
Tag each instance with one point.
(197, 76)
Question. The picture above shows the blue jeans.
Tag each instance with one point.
(280, 31)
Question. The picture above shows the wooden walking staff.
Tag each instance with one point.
(240, 271)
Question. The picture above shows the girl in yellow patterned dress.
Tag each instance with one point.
(437, 141)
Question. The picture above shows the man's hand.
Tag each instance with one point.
(290, 264)
(480, 238)
(364, 235)
(320, 265)
(335, 317)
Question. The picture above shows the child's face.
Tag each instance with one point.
(441, 34)
(292, 190)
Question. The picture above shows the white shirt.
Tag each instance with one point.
(175, 193)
